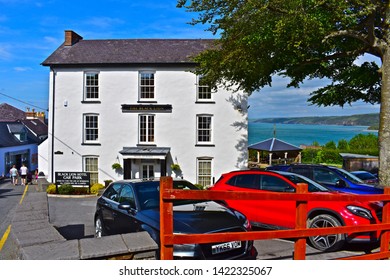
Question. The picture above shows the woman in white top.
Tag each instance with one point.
(23, 173)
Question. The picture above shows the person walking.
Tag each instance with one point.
(23, 173)
(14, 175)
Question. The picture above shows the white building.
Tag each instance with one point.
(136, 103)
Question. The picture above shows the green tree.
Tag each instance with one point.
(366, 144)
(343, 145)
(302, 39)
(330, 145)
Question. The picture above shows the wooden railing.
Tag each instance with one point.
(168, 195)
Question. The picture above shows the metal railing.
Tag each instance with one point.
(168, 195)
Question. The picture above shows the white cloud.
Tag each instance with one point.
(4, 53)
(104, 22)
(22, 69)
(279, 101)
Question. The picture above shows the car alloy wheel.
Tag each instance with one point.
(99, 231)
(331, 242)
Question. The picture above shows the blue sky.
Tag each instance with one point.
(30, 30)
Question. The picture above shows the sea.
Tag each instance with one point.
(303, 134)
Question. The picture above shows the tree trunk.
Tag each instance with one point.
(384, 123)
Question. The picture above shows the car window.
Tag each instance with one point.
(324, 175)
(304, 171)
(249, 181)
(127, 195)
(272, 183)
(112, 192)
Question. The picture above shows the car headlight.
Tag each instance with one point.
(247, 225)
(360, 211)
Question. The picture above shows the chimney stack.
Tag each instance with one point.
(71, 38)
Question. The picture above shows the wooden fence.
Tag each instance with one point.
(168, 195)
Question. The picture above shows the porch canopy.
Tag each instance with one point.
(276, 148)
(146, 152)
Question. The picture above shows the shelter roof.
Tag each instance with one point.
(274, 145)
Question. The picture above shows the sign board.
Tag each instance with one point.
(73, 178)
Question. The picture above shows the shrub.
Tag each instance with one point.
(51, 189)
(96, 187)
(66, 189)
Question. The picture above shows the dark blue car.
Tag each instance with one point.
(332, 177)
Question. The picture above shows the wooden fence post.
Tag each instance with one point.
(301, 215)
(385, 239)
(166, 219)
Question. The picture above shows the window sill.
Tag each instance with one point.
(91, 102)
(204, 102)
(146, 101)
(204, 145)
(91, 144)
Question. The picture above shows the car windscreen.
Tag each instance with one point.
(349, 176)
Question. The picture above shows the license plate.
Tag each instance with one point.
(224, 247)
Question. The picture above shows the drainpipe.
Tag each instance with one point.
(52, 123)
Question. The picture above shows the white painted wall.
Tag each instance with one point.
(176, 130)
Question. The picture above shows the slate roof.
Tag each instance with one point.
(274, 145)
(9, 113)
(7, 139)
(37, 126)
(128, 51)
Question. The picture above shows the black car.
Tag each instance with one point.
(133, 205)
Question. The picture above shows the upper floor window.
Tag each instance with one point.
(203, 90)
(204, 129)
(91, 128)
(146, 86)
(146, 129)
(91, 86)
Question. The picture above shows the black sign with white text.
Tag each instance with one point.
(73, 178)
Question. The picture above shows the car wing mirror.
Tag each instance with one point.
(340, 184)
(289, 190)
(127, 206)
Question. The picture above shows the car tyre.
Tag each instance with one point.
(99, 228)
(326, 243)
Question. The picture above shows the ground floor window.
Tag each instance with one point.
(147, 171)
(91, 165)
(204, 171)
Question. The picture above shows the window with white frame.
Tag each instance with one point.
(204, 171)
(91, 165)
(91, 128)
(203, 90)
(91, 86)
(204, 129)
(146, 129)
(147, 171)
(146, 86)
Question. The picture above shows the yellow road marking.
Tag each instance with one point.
(7, 232)
(24, 194)
(5, 236)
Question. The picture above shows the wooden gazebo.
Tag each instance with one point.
(277, 149)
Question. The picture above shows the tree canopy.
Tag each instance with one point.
(301, 39)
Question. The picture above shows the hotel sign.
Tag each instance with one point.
(137, 108)
(73, 178)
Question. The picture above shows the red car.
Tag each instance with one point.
(281, 214)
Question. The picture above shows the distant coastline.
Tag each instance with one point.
(369, 120)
